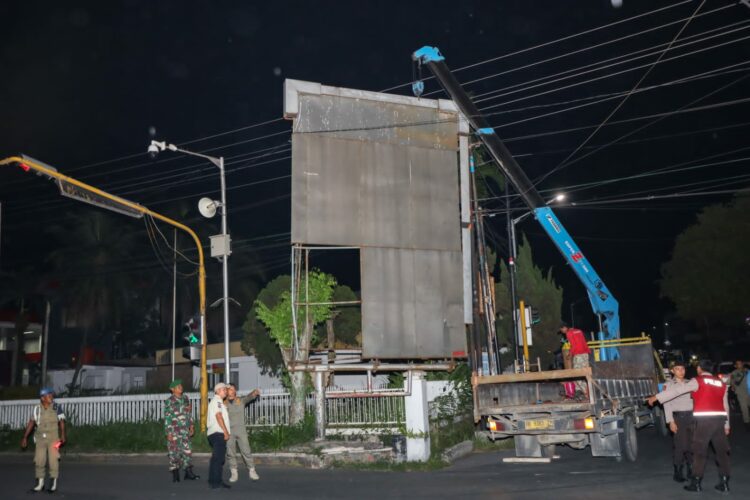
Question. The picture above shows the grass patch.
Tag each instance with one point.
(282, 436)
(449, 435)
(149, 437)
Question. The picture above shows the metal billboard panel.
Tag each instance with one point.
(380, 172)
(412, 304)
(359, 193)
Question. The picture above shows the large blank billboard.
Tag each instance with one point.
(380, 172)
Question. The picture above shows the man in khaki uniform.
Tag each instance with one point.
(238, 435)
(49, 420)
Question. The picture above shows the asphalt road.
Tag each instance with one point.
(576, 475)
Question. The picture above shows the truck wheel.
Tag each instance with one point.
(660, 422)
(628, 438)
(548, 450)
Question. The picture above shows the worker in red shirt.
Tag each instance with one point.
(579, 352)
(579, 349)
(711, 422)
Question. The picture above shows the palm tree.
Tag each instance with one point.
(95, 266)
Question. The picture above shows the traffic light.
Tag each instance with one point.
(535, 316)
(192, 351)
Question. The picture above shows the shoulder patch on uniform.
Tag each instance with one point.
(59, 409)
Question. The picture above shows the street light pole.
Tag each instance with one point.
(513, 292)
(225, 271)
(513, 252)
(223, 249)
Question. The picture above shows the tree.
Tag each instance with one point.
(535, 289)
(706, 277)
(278, 321)
(257, 339)
(89, 264)
(490, 180)
(346, 319)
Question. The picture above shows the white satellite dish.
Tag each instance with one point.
(207, 207)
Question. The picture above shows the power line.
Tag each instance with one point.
(635, 87)
(638, 141)
(626, 120)
(602, 77)
(199, 139)
(682, 109)
(590, 47)
(689, 79)
(674, 168)
(552, 42)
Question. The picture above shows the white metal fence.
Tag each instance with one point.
(270, 409)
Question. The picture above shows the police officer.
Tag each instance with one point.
(711, 417)
(179, 428)
(679, 417)
(738, 383)
(49, 420)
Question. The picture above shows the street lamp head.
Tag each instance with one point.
(556, 199)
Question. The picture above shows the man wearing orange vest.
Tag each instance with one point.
(711, 417)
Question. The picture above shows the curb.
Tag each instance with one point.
(281, 459)
(457, 451)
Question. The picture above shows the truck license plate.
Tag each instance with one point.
(539, 424)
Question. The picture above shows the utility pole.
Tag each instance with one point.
(225, 271)
(174, 299)
(1, 234)
(45, 340)
(512, 271)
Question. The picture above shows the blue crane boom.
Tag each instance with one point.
(602, 301)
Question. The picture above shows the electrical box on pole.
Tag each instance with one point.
(221, 245)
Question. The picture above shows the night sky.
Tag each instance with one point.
(83, 83)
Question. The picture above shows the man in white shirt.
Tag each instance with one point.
(218, 435)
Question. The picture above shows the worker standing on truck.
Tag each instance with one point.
(711, 416)
(579, 352)
(679, 417)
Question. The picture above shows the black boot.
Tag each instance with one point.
(723, 484)
(189, 474)
(695, 484)
(678, 475)
(175, 475)
(688, 470)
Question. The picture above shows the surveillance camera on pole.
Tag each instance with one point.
(157, 147)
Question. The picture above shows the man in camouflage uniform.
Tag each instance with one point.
(178, 427)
